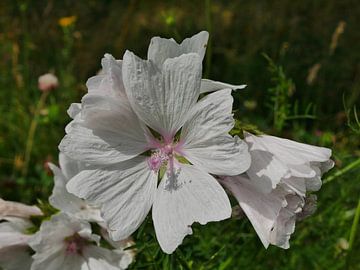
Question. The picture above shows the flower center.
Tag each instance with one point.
(74, 244)
(161, 156)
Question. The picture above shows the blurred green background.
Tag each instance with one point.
(300, 60)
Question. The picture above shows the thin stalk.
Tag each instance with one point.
(349, 167)
(209, 45)
(353, 233)
(31, 134)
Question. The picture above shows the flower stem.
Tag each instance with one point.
(353, 233)
(349, 167)
(31, 134)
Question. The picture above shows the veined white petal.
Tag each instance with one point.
(211, 86)
(162, 97)
(126, 192)
(109, 81)
(161, 49)
(98, 258)
(266, 170)
(205, 137)
(60, 197)
(287, 151)
(101, 138)
(69, 167)
(284, 226)
(187, 196)
(262, 209)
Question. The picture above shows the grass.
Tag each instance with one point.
(312, 61)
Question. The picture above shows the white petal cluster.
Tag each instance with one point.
(14, 238)
(153, 136)
(65, 242)
(152, 144)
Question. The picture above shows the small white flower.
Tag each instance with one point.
(272, 193)
(65, 242)
(65, 201)
(48, 82)
(14, 249)
(112, 133)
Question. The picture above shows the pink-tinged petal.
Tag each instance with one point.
(162, 97)
(205, 139)
(262, 209)
(126, 192)
(161, 49)
(188, 195)
(15, 209)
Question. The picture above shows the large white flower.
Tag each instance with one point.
(113, 133)
(65, 242)
(272, 193)
(14, 249)
(65, 201)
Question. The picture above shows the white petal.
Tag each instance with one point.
(190, 195)
(126, 192)
(262, 209)
(15, 209)
(74, 110)
(101, 138)
(99, 258)
(161, 49)
(12, 234)
(285, 222)
(205, 137)
(211, 86)
(69, 167)
(290, 152)
(109, 81)
(15, 258)
(162, 98)
(60, 197)
(266, 170)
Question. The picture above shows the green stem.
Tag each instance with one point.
(353, 233)
(209, 45)
(31, 134)
(349, 167)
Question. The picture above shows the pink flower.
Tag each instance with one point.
(48, 82)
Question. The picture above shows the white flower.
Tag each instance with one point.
(111, 133)
(15, 209)
(65, 242)
(65, 201)
(272, 193)
(14, 249)
(47, 82)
